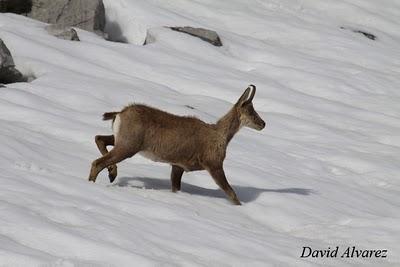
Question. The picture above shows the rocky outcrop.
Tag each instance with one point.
(15, 6)
(204, 34)
(8, 72)
(88, 15)
(84, 14)
(68, 33)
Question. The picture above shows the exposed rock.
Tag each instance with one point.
(63, 33)
(84, 14)
(6, 59)
(366, 34)
(189, 107)
(15, 6)
(8, 73)
(150, 38)
(204, 34)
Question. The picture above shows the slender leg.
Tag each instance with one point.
(111, 158)
(102, 141)
(176, 176)
(218, 175)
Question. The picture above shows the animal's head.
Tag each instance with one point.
(247, 115)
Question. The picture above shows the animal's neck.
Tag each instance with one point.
(229, 125)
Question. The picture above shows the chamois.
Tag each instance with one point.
(187, 143)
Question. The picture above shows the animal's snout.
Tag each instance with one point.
(259, 125)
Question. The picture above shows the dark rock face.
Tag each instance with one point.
(366, 34)
(8, 73)
(204, 34)
(84, 14)
(15, 6)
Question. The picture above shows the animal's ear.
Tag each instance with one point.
(245, 97)
(253, 92)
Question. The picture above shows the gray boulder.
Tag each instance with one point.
(8, 72)
(68, 33)
(84, 14)
(15, 6)
(204, 34)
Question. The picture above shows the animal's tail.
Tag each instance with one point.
(109, 116)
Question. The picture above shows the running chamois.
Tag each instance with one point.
(187, 143)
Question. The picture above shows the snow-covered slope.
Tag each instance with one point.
(323, 173)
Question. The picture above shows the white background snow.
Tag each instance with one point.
(323, 173)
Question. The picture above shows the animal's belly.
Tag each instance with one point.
(150, 155)
(187, 165)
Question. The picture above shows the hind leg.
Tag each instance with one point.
(102, 141)
(176, 177)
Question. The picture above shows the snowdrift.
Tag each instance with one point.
(323, 173)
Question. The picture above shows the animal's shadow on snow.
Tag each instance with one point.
(245, 193)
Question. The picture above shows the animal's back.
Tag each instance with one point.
(163, 120)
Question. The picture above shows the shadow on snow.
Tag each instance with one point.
(245, 193)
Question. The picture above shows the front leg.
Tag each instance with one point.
(176, 177)
(219, 177)
(102, 141)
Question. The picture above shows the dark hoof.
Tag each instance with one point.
(237, 202)
(111, 177)
(112, 173)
